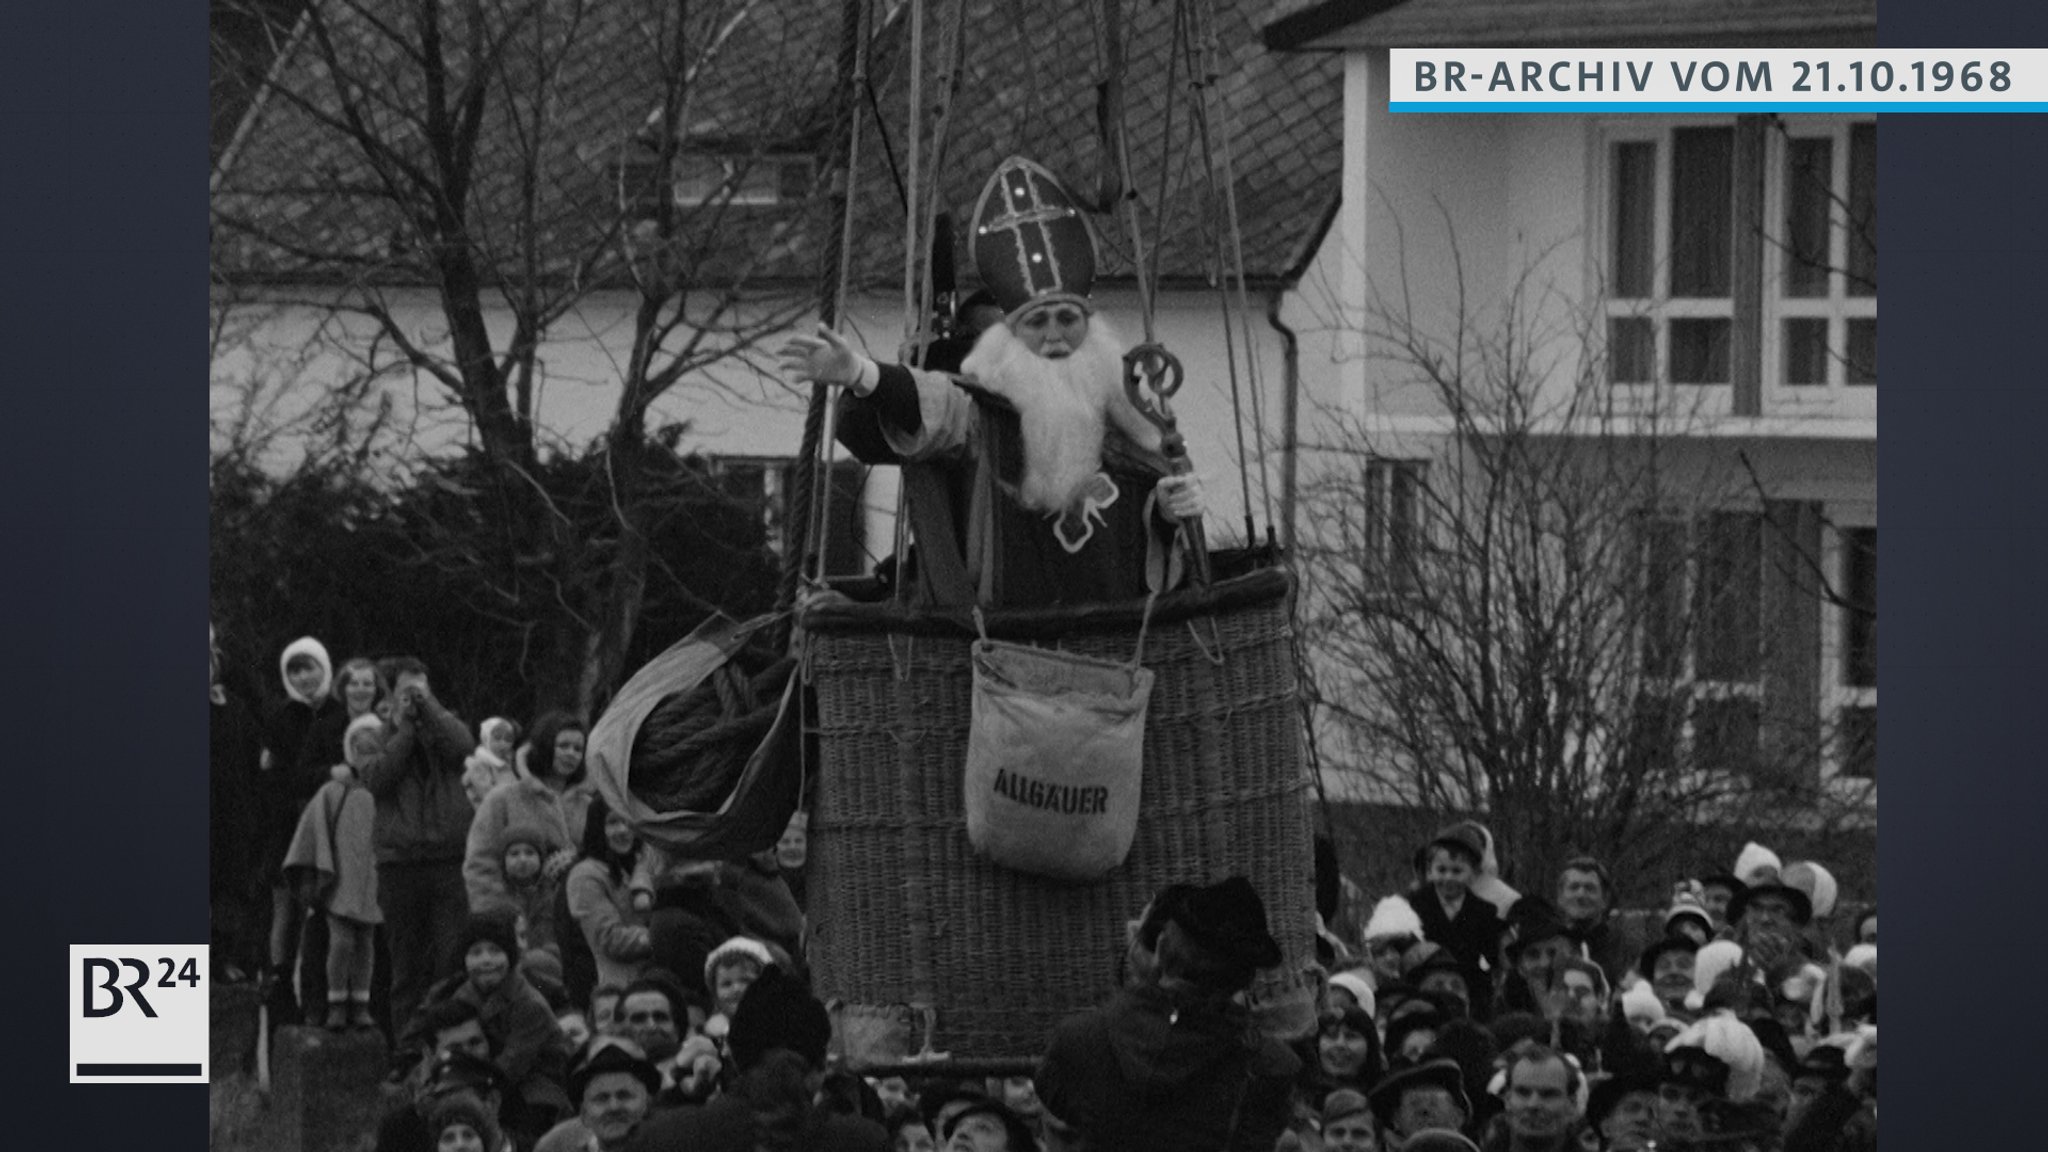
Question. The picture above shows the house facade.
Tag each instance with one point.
(1704, 283)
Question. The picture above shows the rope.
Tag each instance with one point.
(819, 533)
(831, 297)
(1201, 48)
(913, 149)
(1244, 313)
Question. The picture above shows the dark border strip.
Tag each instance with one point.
(138, 1070)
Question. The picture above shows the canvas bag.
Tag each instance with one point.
(1055, 757)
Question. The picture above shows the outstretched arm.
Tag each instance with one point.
(921, 413)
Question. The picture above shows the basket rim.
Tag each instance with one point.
(1255, 588)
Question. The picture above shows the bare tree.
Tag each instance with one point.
(1558, 606)
(513, 159)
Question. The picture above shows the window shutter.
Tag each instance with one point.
(1792, 643)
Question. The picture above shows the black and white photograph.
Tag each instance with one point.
(1032, 575)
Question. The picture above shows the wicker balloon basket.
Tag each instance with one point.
(929, 952)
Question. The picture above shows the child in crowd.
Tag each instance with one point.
(332, 865)
(529, 889)
(291, 768)
(729, 971)
(491, 764)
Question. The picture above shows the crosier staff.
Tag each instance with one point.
(1151, 376)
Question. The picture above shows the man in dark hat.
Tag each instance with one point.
(1422, 1096)
(1539, 941)
(1174, 1061)
(778, 1039)
(1031, 478)
(1622, 1112)
(612, 1085)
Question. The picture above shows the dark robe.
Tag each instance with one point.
(975, 541)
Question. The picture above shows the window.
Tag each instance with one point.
(1702, 640)
(713, 177)
(1393, 519)
(1671, 251)
(1825, 283)
(1854, 697)
(1742, 254)
(751, 180)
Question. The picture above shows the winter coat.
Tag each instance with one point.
(298, 766)
(530, 1047)
(526, 801)
(603, 909)
(1473, 936)
(336, 838)
(1153, 1069)
(422, 815)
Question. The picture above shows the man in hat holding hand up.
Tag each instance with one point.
(1174, 1061)
(1032, 479)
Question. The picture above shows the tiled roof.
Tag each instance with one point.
(293, 195)
(1327, 24)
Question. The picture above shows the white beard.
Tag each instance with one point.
(1064, 406)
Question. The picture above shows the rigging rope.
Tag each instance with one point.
(799, 538)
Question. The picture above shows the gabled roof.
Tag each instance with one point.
(1331, 25)
(291, 194)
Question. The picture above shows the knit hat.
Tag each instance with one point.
(1640, 1003)
(1814, 880)
(484, 730)
(1687, 907)
(733, 950)
(1756, 864)
(1343, 1103)
(1393, 918)
(306, 646)
(778, 1012)
(1360, 989)
(1863, 956)
(1731, 1042)
(463, 1108)
(367, 722)
(611, 1054)
(497, 925)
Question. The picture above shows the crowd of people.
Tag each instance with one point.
(556, 983)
